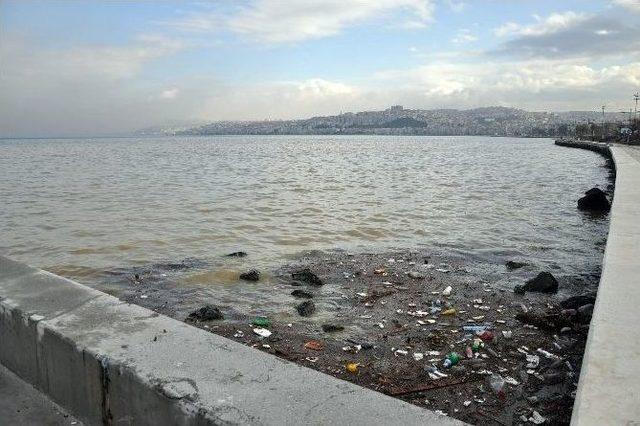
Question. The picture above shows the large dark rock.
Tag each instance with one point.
(585, 312)
(544, 282)
(305, 275)
(330, 328)
(594, 200)
(551, 322)
(302, 294)
(306, 309)
(252, 275)
(237, 254)
(206, 313)
(512, 264)
(576, 301)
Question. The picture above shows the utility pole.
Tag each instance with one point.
(636, 97)
(602, 135)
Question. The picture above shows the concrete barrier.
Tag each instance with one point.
(112, 363)
(609, 385)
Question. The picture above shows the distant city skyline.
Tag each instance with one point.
(72, 68)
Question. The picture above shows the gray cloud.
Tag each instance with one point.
(592, 37)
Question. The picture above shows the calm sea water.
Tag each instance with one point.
(79, 207)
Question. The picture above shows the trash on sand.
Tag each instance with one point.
(433, 353)
(548, 355)
(486, 336)
(507, 334)
(239, 333)
(261, 322)
(475, 328)
(536, 418)
(533, 361)
(447, 291)
(444, 271)
(312, 358)
(262, 332)
(450, 311)
(143, 296)
(468, 352)
(466, 403)
(416, 275)
(497, 384)
(418, 356)
(510, 380)
(380, 271)
(352, 367)
(434, 373)
(361, 294)
(314, 345)
(381, 325)
(400, 352)
(451, 360)
(477, 343)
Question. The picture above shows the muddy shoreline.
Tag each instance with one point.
(382, 321)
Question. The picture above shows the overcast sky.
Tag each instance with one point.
(93, 68)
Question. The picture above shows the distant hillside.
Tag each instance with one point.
(396, 120)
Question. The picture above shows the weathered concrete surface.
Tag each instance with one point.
(22, 405)
(609, 386)
(109, 362)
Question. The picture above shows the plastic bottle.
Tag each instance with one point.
(497, 384)
(451, 360)
(468, 352)
(477, 343)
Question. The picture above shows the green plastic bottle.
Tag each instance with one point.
(452, 359)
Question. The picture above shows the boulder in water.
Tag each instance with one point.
(237, 254)
(512, 264)
(302, 294)
(585, 312)
(544, 282)
(306, 309)
(575, 302)
(305, 275)
(252, 275)
(594, 200)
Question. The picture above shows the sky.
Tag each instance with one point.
(78, 68)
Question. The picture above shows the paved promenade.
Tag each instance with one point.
(609, 386)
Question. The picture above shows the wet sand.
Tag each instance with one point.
(399, 326)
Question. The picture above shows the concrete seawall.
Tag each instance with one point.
(112, 363)
(609, 386)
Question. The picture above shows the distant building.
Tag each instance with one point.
(396, 108)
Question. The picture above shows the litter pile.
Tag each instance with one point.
(428, 333)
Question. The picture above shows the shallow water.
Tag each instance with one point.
(79, 207)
